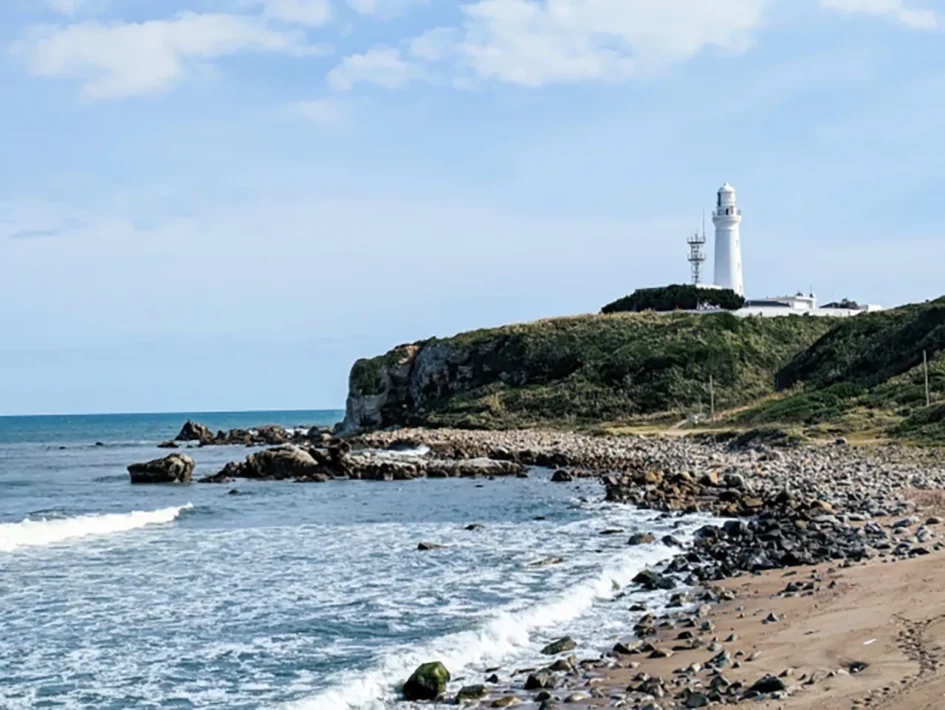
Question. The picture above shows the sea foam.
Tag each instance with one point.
(39, 533)
(508, 634)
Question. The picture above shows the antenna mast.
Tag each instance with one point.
(697, 253)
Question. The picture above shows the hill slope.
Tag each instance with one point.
(579, 370)
(866, 374)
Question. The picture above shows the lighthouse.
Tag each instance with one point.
(728, 250)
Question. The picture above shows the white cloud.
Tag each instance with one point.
(312, 13)
(322, 111)
(537, 42)
(384, 66)
(434, 45)
(892, 9)
(384, 8)
(534, 43)
(132, 59)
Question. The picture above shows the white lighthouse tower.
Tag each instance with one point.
(728, 249)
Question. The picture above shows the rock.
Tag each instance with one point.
(425, 546)
(168, 445)
(475, 527)
(541, 680)
(560, 646)
(697, 700)
(471, 692)
(176, 468)
(611, 531)
(771, 618)
(547, 562)
(562, 665)
(234, 492)
(506, 702)
(192, 431)
(562, 477)
(643, 538)
(280, 463)
(428, 682)
(768, 684)
(652, 580)
(671, 541)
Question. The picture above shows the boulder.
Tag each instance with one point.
(428, 682)
(562, 477)
(652, 580)
(176, 468)
(768, 684)
(643, 538)
(559, 646)
(280, 463)
(471, 692)
(541, 680)
(193, 431)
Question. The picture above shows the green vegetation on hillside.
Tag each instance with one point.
(676, 297)
(594, 369)
(866, 375)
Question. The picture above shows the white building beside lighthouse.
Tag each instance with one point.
(728, 249)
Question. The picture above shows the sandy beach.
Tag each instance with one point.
(889, 616)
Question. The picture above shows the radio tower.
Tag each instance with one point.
(697, 253)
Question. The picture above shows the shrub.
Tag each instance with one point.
(676, 297)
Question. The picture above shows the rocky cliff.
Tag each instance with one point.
(576, 370)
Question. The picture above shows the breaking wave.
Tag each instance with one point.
(508, 634)
(42, 532)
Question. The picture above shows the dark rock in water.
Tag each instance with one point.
(541, 680)
(562, 477)
(559, 646)
(653, 580)
(643, 538)
(671, 541)
(494, 679)
(471, 692)
(547, 562)
(168, 445)
(176, 468)
(611, 531)
(234, 492)
(99, 443)
(424, 546)
(279, 464)
(192, 431)
(768, 684)
(475, 526)
(428, 682)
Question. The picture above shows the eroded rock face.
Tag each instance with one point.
(194, 431)
(176, 468)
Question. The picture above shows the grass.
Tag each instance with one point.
(575, 372)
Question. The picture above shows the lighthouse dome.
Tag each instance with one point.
(726, 188)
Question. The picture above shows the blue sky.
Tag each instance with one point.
(220, 204)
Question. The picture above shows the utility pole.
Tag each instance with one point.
(925, 366)
(711, 400)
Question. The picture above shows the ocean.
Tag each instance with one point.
(287, 595)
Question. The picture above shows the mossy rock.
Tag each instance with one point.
(428, 682)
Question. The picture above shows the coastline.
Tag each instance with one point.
(795, 511)
(806, 655)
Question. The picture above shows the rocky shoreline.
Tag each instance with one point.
(790, 507)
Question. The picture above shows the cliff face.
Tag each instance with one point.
(575, 370)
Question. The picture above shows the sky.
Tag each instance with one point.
(221, 204)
